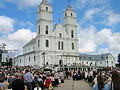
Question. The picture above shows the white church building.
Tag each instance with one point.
(54, 47)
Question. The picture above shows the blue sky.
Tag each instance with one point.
(98, 23)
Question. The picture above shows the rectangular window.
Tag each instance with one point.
(62, 45)
(38, 43)
(39, 29)
(72, 46)
(72, 36)
(46, 31)
(29, 59)
(47, 43)
(59, 45)
(34, 58)
(20, 60)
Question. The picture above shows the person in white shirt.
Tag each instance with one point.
(37, 87)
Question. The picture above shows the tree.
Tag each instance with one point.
(118, 59)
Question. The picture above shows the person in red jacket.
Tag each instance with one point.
(47, 82)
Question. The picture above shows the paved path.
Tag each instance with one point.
(74, 85)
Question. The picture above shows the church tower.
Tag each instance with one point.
(44, 26)
(70, 25)
(44, 19)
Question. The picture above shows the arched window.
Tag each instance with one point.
(39, 29)
(60, 35)
(72, 46)
(46, 29)
(46, 8)
(71, 14)
(65, 14)
(47, 43)
(72, 36)
(61, 62)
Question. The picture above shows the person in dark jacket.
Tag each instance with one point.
(18, 84)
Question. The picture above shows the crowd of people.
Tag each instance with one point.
(101, 79)
(30, 78)
(33, 78)
(108, 79)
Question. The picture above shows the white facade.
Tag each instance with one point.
(58, 46)
(103, 60)
(62, 40)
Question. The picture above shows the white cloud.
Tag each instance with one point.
(103, 35)
(87, 46)
(101, 16)
(16, 40)
(110, 38)
(87, 43)
(91, 40)
(89, 13)
(22, 35)
(24, 4)
(112, 18)
(99, 12)
(6, 24)
(94, 34)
